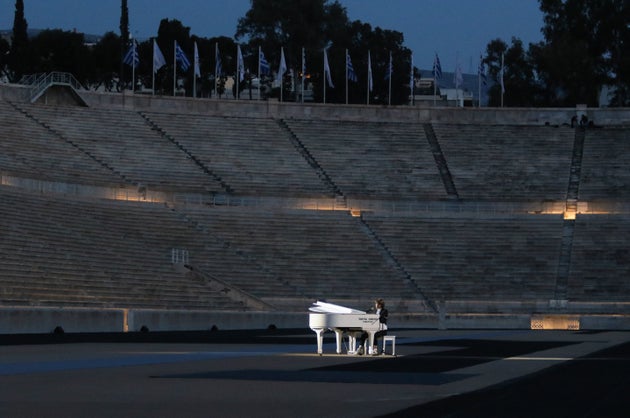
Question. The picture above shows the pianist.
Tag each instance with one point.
(379, 306)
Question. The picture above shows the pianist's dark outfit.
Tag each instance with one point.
(382, 319)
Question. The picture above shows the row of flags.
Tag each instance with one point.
(132, 59)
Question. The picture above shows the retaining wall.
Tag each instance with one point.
(27, 320)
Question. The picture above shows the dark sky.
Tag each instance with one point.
(455, 29)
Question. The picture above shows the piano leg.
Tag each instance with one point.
(370, 340)
(339, 336)
(320, 340)
(352, 343)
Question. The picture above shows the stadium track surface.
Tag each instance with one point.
(276, 373)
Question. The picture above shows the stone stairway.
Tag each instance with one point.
(392, 260)
(200, 163)
(321, 173)
(59, 135)
(564, 262)
(445, 173)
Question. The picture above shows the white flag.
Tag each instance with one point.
(240, 64)
(197, 67)
(327, 70)
(458, 79)
(283, 65)
(158, 57)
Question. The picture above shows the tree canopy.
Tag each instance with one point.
(584, 49)
(318, 24)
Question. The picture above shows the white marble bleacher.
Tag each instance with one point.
(59, 251)
(377, 160)
(600, 260)
(123, 140)
(319, 253)
(31, 151)
(507, 162)
(493, 258)
(605, 163)
(253, 155)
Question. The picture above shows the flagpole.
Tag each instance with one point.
(281, 75)
(479, 89)
(412, 82)
(367, 100)
(133, 69)
(502, 81)
(133, 77)
(216, 80)
(238, 71)
(324, 78)
(456, 80)
(389, 98)
(153, 74)
(435, 80)
(346, 75)
(195, 52)
(479, 83)
(174, 65)
(303, 71)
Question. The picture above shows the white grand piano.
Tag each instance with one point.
(324, 316)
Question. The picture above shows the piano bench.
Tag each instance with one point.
(392, 339)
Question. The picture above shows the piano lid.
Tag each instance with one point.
(325, 307)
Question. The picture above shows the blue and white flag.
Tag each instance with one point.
(218, 69)
(352, 76)
(131, 57)
(482, 71)
(327, 71)
(283, 65)
(437, 68)
(181, 58)
(263, 64)
(158, 57)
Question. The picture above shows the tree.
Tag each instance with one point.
(583, 48)
(58, 50)
(19, 54)
(106, 58)
(519, 79)
(124, 23)
(292, 25)
(318, 24)
(5, 49)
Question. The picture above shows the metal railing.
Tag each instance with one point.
(40, 82)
